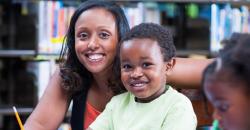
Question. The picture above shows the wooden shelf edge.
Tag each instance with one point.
(17, 53)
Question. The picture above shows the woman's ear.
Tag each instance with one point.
(169, 66)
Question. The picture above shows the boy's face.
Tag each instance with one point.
(231, 105)
(143, 70)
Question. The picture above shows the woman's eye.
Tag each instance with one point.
(83, 36)
(104, 35)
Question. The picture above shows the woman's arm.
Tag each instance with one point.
(51, 108)
(187, 72)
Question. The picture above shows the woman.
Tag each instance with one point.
(85, 76)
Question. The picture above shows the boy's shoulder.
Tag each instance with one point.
(176, 97)
(121, 97)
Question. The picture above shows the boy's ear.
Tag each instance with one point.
(169, 66)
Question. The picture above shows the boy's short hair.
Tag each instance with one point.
(155, 32)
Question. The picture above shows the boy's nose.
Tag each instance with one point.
(137, 72)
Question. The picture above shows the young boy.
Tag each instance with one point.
(146, 59)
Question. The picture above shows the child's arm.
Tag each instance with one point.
(51, 108)
(187, 72)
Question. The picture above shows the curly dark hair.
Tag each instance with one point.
(75, 77)
(155, 32)
(235, 62)
(152, 31)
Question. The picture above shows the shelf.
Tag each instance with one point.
(10, 111)
(28, 54)
(76, 3)
(191, 52)
(17, 53)
(21, 53)
(190, 1)
(48, 54)
(22, 111)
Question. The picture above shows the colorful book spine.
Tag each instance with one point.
(53, 22)
(214, 28)
(225, 21)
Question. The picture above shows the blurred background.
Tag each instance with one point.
(32, 31)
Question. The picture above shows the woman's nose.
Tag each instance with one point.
(137, 72)
(93, 43)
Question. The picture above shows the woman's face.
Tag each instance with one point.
(96, 38)
(231, 105)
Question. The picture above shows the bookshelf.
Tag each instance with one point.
(30, 39)
(47, 32)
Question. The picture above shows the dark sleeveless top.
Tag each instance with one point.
(78, 109)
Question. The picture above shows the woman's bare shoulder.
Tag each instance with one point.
(51, 108)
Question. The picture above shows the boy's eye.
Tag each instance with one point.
(146, 64)
(104, 35)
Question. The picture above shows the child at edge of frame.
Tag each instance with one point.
(226, 84)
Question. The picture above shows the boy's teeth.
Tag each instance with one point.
(95, 56)
(139, 85)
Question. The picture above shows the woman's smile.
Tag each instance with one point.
(95, 57)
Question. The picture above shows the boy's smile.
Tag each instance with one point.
(143, 70)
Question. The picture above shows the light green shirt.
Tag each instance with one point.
(170, 111)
